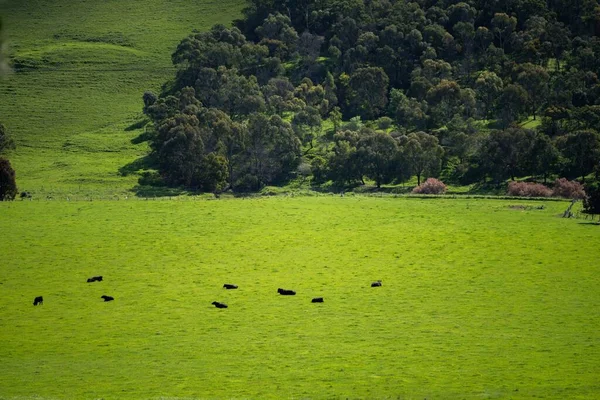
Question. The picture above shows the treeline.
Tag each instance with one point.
(427, 89)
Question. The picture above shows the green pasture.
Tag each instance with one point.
(480, 299)
(82, 67)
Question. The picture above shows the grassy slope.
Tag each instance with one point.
(95, 59)
(478, 300)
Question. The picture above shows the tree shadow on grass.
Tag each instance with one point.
(141, 164)
(137, 125)
(145, 136)
(146, 191)
(595, 223)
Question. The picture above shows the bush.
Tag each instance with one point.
(591, 203)
(528, 189)
(151, 178)
(384, 123)
(430, 186)
(247, 183)
(568, 189)
(8, 186)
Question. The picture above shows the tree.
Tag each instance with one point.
(377, 152)
(367, 92)
(278, 35)
(581, 151)
(408, 113)
(505, 153)
(502, 27)
(591, 204)
(306, 124)
(488, 87)
(8, 186)
(180, 150)
(534, 79)
(272, 149)
(422, 154)
(445, 100)
(343, 164)
(544, 156)
(512, 103)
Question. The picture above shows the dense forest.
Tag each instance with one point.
(346, 90)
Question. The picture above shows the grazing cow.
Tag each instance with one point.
(230, 286)
(317, 300)
(107, 298)
(38, 300)
(219, 305)
(285, 292)
(376, 284)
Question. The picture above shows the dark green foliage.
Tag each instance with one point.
(8, 186)
(591, 204)
(505, 153)
(457, 79)
(377, 153)
(367, 92)
(581, 151)
(421, 154)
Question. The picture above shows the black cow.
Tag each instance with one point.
(285, 292)
(230, 286)
(317, 300)
(95, 279)
(376, 284)
(219, 305)
(107, 298)
(38, 300)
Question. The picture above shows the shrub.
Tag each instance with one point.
(384, 123)
(247, 183)
(591, 203)
(431, 186)
(568, 189)
(528, 189)
(8, 186)
(151, 178)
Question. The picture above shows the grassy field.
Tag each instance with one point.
(84, 66)
(480, 299)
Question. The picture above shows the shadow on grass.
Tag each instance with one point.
(140, 164)
(487, 189)
(142, 137)
(157, 191)
(137, 125)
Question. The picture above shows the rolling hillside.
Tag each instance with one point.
(81, 68)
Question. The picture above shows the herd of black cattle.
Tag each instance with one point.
(284, 292)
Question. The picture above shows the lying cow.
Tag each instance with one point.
(285, 292)
(219, 305)
(317, 300)
(95, 279)
(230, 286)
(107, 298)
(376, 284)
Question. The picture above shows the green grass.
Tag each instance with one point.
(82, 69)
(479, 299)
(531, 123)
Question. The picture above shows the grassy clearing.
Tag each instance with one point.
(479, 299)
(82, 68)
